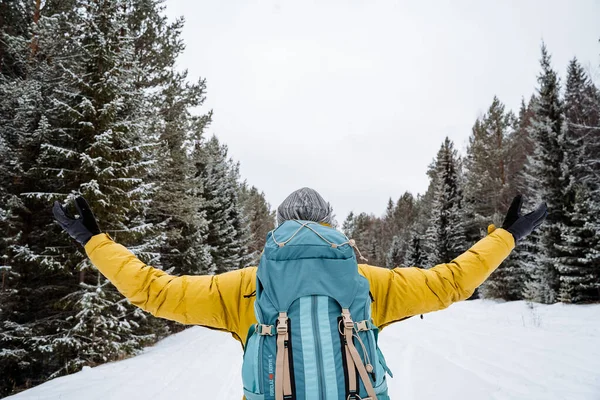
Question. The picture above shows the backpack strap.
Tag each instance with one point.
(283, 382)
(354, 361)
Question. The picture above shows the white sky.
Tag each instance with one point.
(354, 98)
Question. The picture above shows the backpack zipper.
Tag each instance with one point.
(318, 347)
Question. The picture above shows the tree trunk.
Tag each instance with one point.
(36, 18)
(502, 174)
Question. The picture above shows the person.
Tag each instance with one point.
(226, 301)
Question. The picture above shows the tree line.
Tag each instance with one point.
(92, 104)
(548, 151)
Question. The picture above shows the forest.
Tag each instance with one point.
(92, 104)
(549, 151)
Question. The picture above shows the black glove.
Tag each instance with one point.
(522, 225)
(81, 229)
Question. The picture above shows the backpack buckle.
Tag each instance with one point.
(282, 330)
(362, 326)
(282, 327)
(265, 330)
(347, 319)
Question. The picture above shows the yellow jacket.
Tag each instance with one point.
(224, 301)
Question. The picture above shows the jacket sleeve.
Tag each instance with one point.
(212, 301)
(404, 292)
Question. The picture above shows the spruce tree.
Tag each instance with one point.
(35, 98)
(174, 208)
(398, 223)
(228, 235)
(545, 175)
(348, 226)
(517, 267)
(261, 219)
(578, 262)
(488, 192)
(486, 181)
(415, 254)
(395, 254)
(178, 194)
(445, 236)
(75, 117)
(364, 230)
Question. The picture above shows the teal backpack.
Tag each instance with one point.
(314, 338)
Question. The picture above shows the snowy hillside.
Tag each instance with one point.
(474, 350)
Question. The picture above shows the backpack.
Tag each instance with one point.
(314, 338)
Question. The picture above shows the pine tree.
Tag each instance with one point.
(545, 172)
(348, 226)
(261, 219)
(415, 254)
(364, 229)
(15, 22)
(178, 194)
(101, 331)
(517, 267)
(34, 93)
(395, 255)
(445, 236)
(579, 259)
(488, 192)
(116, 154)
(486, 181)
(388, 229)
(228, 234)
(75, 117)
(398, 223)
(520, 148)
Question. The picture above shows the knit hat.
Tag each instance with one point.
(305, 204)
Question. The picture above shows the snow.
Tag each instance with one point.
(473, 350)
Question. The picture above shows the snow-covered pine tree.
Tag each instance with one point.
(228, 235)
(388, 229)
(34, 94)
(488, 192)
(415, 254)
(178, 194)
(365, 230)
(9, 172)
(348, 225)
(114, 151)
(545, 176)
(395, 255)
(486, 183)
(516, 267)
(445, 236)
(579, 258)
(15, 21)
(520, 148)
(13, 356)
(101, 326)
(398, 222)
(77, 121)
(260, 218)
(405, 212)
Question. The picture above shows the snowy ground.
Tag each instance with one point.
(474, 350)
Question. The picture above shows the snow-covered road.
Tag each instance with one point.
(473, 350)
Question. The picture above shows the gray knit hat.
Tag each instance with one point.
(305, 204)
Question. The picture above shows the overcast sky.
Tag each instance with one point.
(354, 98)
